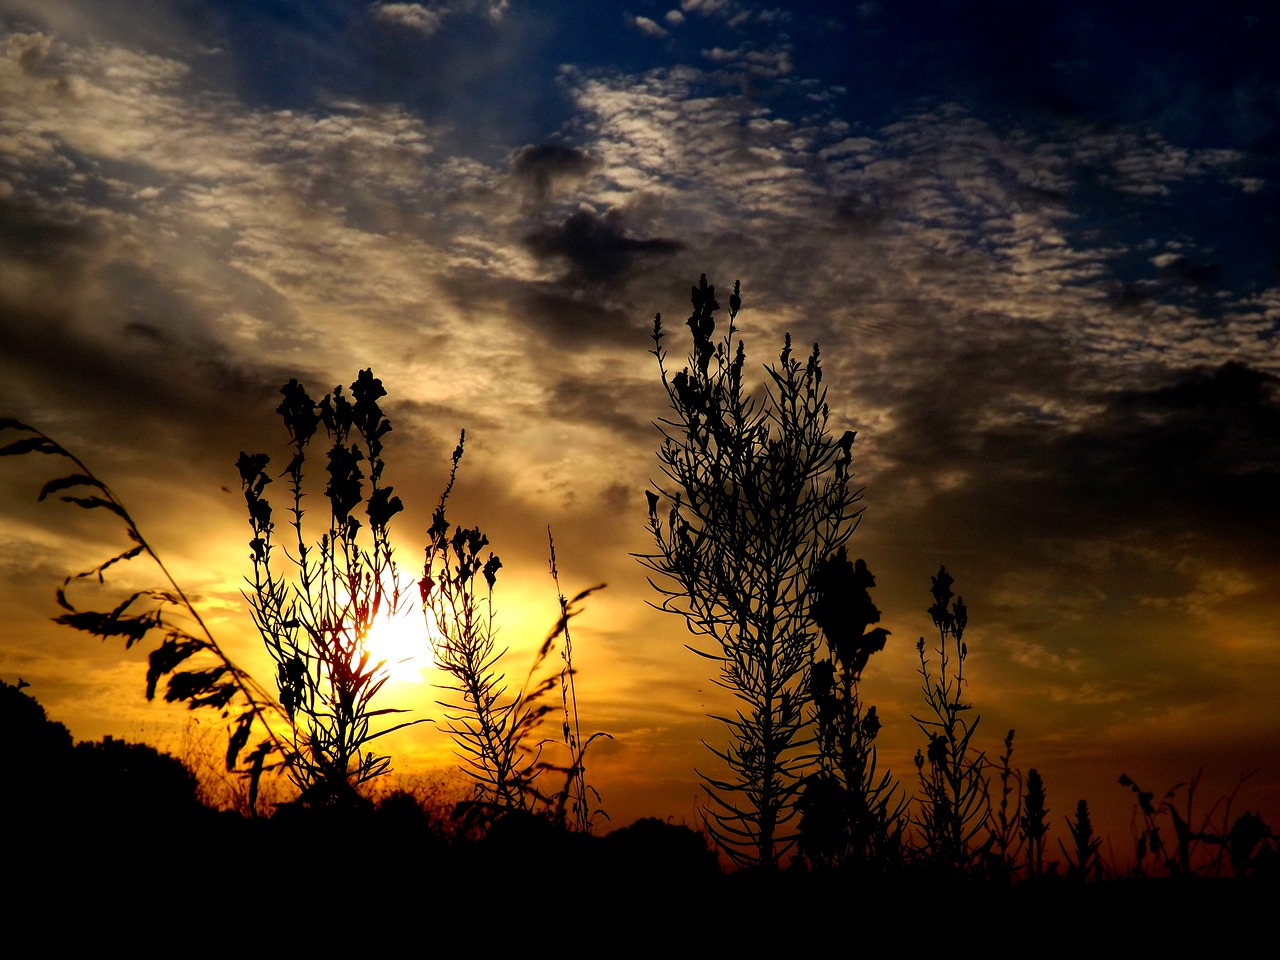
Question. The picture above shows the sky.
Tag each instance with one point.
(1037, 243)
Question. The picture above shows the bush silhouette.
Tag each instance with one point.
(39, 761)
(119, 781)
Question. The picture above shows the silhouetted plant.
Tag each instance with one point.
(1252, 847)
(850, 815)
(1035, 824)
(578, 801)
(1196, 851)
(207, 678)
(1004, 824)
(495, 733)
(314, 623)
(955, 806)
(760, 494)
(1083, 862)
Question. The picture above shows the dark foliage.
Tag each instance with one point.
(760, 496)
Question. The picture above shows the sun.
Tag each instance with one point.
(402, 642)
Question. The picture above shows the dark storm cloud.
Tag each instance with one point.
(562, 314)
(132, 383)
(542, 168)
(1206, 445)
(98, 326)
(1208, 442)
(595, 248)
(146, 331)
(862, 212)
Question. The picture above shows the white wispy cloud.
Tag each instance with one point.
(415, 16)
(650, 28)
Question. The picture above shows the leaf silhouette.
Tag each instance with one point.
(72, 480)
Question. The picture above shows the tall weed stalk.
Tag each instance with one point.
(851, 815)
(496, 733)
(1004, 826)
(953, 811)
(314, 620)
(579, 803)
(1083, 862)
(760, 493)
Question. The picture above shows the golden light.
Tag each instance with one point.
(403, 643)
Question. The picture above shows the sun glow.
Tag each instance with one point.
(402, 642)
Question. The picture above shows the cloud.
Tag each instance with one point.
(704, 7)
(587, 399)
(595, 248)
(562, 314)
(29, 51)
(1127, 467)
(193, 232)
(427, 19)
(769, 63)
(720, 54)
(414, 16)
(648, 27)
(544, 168)
(1185, 271)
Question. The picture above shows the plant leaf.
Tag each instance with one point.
(71, 480)
(31, 445)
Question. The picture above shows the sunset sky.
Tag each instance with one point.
(1038, 243)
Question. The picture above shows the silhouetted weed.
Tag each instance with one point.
(1004, 822)
(496, 733)
(315, 624)
(760, 494)
(851, 816)
(1199, 848)
(954, 808)
(1034, 824)
(1083, 862)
